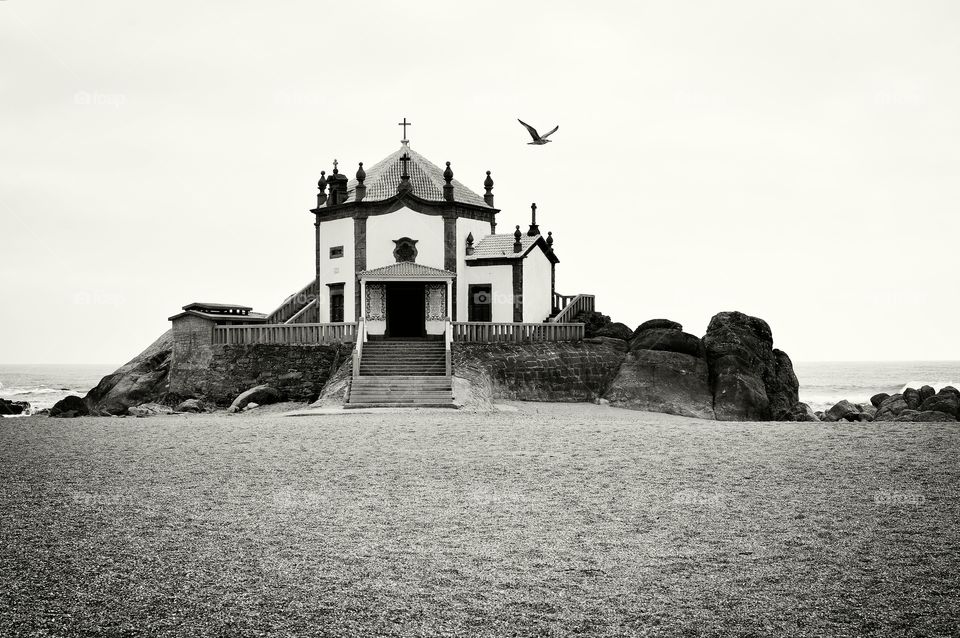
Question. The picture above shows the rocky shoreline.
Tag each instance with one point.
(924, 405)
(732, 373)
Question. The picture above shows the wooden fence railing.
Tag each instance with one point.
(570, 307)
(284, 334)
(293, 304)
(489, 332)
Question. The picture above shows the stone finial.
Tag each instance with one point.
(335, 170)
(517, 246)
(322, 187)
(361, 190)
(469, 243)
(534, 229)
(448, 187)
(550, 240)
(488, 190)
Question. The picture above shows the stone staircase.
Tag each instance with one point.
(402, 374)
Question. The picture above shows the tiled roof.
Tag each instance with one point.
(405, 270)
(501, 247)
(426, 177)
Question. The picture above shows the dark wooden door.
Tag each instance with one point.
(480, 303)
(406, 313)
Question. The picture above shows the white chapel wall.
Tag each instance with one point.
(500, 279)
(537, 302)
(480, 229)
(382, 230)
(337, 232)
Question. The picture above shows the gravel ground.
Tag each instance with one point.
(548, 520)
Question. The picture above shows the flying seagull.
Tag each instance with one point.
(537, 138)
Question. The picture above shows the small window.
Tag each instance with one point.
(336, 252)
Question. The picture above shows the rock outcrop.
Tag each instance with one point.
(12, 408)
(593, 322)
(877, 399)
(803, 412)
(750, 381)
(261, 395)
(616, 331)
(942, 406)
(69, 407)
(665, 371)
(842, 411)
(141, 380)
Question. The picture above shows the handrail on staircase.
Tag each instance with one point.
(358, 350)
(448, 340)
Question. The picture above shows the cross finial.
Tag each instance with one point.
(335, 171)
(405, 124)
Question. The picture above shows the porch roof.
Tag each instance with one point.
(406, 270)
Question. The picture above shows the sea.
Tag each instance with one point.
(822, 384)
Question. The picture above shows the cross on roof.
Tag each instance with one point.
(405, 124)
(405, 158)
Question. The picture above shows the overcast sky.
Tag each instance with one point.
(797, 161)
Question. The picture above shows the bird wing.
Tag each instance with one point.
(532, 131)
(546, 135)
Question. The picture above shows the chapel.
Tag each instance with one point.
(408, 263)
(405, 246)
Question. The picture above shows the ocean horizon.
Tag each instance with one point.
(822, 383)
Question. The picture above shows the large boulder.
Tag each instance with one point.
(11, 408)
(842, 411)
(660, 381)
(191, 405)
(949, 388)
(926, 392)
(933, 416)
(750, 381)
(141, 380)
(261, 395)
(946, 402)
(802, 412)
(782, 386)
(593, 322)
(69, 407)
(890, 408)
(655, 324)
(877, 399)
(912, 397)
(667, 340)
(616, 331)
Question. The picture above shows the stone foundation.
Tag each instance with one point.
(547, 371)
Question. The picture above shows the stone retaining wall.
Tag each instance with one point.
(548, 371)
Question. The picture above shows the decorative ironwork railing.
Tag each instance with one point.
(571, 306)
(491, 332)
(284, 334)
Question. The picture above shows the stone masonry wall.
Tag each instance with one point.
(219, 373)
(298, 372)
(548, 371)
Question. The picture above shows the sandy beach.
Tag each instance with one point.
(541, 519)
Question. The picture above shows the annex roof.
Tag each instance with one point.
(406, 270)
(425, 177)
(501, 247)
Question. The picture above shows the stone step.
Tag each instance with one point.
(439, 404)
